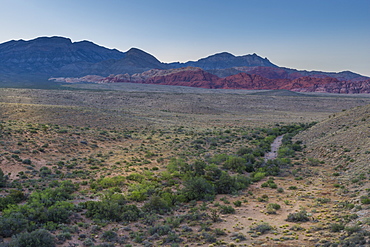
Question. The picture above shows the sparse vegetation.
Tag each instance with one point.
(128, 181)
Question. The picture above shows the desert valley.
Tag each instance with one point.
(106, 148)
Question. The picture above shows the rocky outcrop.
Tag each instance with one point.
(343, 87)
(196, 77)
(88, 78)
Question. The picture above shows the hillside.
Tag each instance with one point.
(342, 141)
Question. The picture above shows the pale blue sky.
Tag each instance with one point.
(327, 35)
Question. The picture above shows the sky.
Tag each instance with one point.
(326, 35)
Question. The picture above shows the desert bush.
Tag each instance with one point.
(224, 185)
(262, 228)
(198, 188)
(12, 224)
(136, 177)
(27, 161)
(176, 165)
(109, 236)
(227, 209)
(300, 216)
(140, 192)
(58, 213)
(3, 178)
(335, 227)
(263, 198)
(215, 215)
(323, 200)
(44, 172)
(365, 199)
(212, 172)
(227, 184)
(14, 197)
(63, 236)
(50, 196)
(172, 237)
(219, 159)
(161, 230)
(352, 229)
(258, 176)
(243, 151)
(157, 205)
(272, 207)
(237, 164)
(219, 232)
(110, 210)
(355, 239)
(130, 213)
(313, 161)
(37, 238)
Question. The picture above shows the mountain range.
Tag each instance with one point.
(59, 59)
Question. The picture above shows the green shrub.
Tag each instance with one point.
(136, 177)
(109, 236)
(14, 197)
(12, 224)
(157, 205)
(280, 190)
(37, 238)
(300, 216)
(237, 164)
(112, 211)
(272, 207)
(225, 209)
(262, 228)
(26, 161)
(263, 198)
(352, 229)
(335, 227)
(365, 200)
(63, 236)
(161, 230)
(258, 176)
(198, 188)
(3, 178)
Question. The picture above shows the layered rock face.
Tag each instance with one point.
(196, 77)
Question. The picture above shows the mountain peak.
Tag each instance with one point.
(53, 39)
(226, 60)
(223, 55)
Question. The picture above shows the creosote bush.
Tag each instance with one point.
(300, 216)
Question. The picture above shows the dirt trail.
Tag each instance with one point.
(274, 148)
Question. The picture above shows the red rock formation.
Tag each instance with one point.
(247, 81)
(191, 78)
(196, 77)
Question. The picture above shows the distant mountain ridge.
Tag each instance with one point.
(226, 60)
(63, 60)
